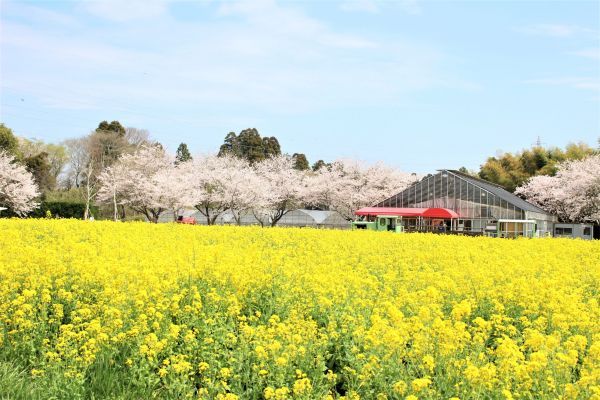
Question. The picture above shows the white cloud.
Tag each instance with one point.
(554, 30)
(126, 10)
(410, 6)
(251, 55)
(39, 15)
(586, 83)
(593, 53)
(370, 6)
(375, 6)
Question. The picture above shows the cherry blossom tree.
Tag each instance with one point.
(114, 185)
(17, 187)
(176, 193)
(348, 185)
(147, 181)
(573, 193)
(207, 179)
(280, 188)
(240, 187)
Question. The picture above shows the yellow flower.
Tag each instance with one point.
(420, 384)
(225, 373)
(400, 387)
(302, 385)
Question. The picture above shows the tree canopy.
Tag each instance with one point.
(114, 126)
(18, 191)
(512, 170)
(573, 193)
(8, 141)
(300, 162)
(41, 169)
(250, 145)
(182, 154)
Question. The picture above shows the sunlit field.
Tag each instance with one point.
(136, 311)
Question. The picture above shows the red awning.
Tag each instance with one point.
(409, 212)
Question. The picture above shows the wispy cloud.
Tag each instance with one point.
(258, 55)
(369, 6)
(593, 53)
(554, 30)
(124, 11)
(39, 15)
(586, 83)
(375, 6)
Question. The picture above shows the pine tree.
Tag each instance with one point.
(300, 162)
(183, 154)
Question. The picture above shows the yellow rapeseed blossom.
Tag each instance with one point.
(176, 311)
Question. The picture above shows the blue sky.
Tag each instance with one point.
(420, 85)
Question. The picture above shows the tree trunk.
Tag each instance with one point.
(86, 214)
(115, 209)
(278, 215)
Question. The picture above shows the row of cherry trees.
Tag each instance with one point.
(573, 193)
(151, 182)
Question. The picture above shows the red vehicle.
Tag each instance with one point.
(186, 220)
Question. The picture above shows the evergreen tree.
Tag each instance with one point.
(300, 162)
(39, 166)
(114, 126)
(182, 154)
(319, 164)
(250, 146)
(8, 141)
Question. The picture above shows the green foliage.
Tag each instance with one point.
(512, 170)
(56, 209)
(319, 164)
(466, 171)
(8, 141)
(105, 147)
(300, 162)
(16, 383)
(40, 168)
(182, 154)
(61, 209)
(66, 196)
(114, 126)
(56, 153)
(250, 145)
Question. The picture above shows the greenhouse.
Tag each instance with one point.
(297, 218)
(481, 206)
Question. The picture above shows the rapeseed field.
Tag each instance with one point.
(137, 311)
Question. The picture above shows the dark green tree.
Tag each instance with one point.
(300, 162)
(229, 146)
(182, 154)
(319, 164)
(250, 145)
(41, 169)
(8, 141)
(271, 146)
(114, 126)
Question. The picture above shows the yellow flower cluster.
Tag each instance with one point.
(115, 310)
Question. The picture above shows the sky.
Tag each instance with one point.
(419, 85)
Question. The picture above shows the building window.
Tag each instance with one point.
(563, 231)
(587, 231)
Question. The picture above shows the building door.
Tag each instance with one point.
(513, 229)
